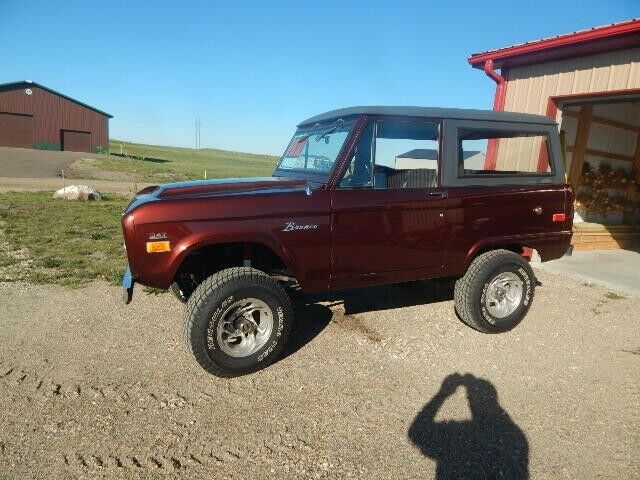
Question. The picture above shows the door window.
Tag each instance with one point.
(406, 154)
(395, 154)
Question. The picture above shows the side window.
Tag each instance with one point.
(502, 152)
(406, 154)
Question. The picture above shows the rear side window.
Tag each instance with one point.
(489, 152)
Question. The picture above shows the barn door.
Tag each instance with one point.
(16, 130)
(74, 141)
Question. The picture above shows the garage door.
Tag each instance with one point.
(74, 141)
(16, 130)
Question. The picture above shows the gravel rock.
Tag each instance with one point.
(366, 389)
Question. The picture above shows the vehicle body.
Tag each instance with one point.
(353, 204)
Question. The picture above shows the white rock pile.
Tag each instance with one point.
(78, 192)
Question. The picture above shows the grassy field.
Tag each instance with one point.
(43, 240)
(153, 163)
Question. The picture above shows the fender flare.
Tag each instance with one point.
(188, 245)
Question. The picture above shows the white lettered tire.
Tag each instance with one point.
(237, 321)
(496, 292)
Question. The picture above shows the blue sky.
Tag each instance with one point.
(251, 70)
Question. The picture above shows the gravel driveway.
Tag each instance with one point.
(368, 389)
(31, 163)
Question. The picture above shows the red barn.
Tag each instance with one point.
(34, 116)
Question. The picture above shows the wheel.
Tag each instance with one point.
(237, 321)
(496, 292)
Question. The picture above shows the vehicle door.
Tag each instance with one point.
(387, 210)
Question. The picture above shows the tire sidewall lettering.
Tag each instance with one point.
(212, 326)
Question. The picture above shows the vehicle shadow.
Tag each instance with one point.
(313, 311)
(490, 445)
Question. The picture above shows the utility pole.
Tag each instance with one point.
(198, 125)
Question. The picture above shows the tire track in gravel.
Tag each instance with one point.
(136, 461)
(15, 377)
(191, 457)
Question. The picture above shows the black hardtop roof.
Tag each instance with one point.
(430, 112)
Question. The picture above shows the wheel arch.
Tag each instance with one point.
(244, 248)
(519, 247)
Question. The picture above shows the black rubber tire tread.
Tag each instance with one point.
(213, 290)
(177, 292)
(465, 289)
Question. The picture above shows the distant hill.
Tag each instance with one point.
(156, 163)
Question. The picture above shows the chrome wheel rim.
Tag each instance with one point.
(244, 327)
(504, 295)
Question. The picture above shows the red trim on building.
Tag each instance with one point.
(595, 40)
(552, 102)
(553, 107)
(491, 158)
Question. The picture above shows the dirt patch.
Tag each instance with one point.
(89, 388)
(87, 168)
(355, 324)
(27, 163)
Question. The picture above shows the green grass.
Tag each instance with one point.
(158, 164)
(43, 240)
(46, 240)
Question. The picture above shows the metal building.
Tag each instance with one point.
(589, 81)
(34, 116)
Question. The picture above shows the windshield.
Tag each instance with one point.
(314, 150)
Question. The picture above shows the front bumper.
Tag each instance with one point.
(127, 286)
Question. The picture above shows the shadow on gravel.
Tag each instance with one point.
(313, 312)
(490, 445)
(388, 297)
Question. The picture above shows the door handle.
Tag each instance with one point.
(438, 194)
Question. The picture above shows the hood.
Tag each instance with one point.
(217, 187)
(227, 186)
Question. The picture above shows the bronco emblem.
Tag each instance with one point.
(291, 226)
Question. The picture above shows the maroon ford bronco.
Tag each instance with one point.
(361, 196)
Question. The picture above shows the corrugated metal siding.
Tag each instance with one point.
(529, 87)
(52, 114)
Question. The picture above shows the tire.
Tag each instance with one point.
(486, 297)
(219, 337)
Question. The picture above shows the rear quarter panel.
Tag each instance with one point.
(481, 217)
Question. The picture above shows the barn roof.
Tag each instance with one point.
(29, 83)
(600, 39)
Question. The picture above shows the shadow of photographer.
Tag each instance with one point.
(490, 445)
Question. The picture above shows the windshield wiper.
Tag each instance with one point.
(330, 130)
